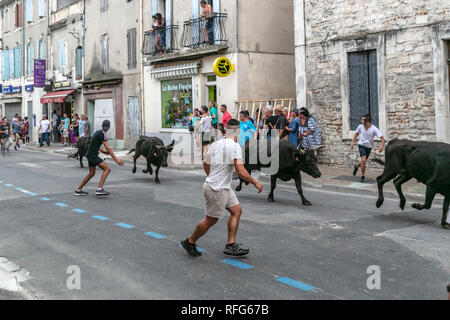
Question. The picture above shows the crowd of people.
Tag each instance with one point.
(297, 127)
(60, 129)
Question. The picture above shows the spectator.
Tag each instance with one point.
(195, 121)
(66, 125)
(310, 134)
(82, 126)
(88, 127)
(159, 31)
(24, 131)
(55, 127)
(226, 116)
(44, 128)
(205, 124)
(214, 115)
(281, 123)
(270, 121)
(207, 13)
(247, 128)
(76, 127)
(293, 129)
(4, 135)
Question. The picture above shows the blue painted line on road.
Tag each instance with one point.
(62, 205)
(199, 249)
(295, 284)
(32, 193)
(45, 199)
(100, 218)
(237, 264)
(9, 185)
(156, 235)
(20, 189)
(125, 225)
(79, 210)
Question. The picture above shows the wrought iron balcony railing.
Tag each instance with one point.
(160, 41)
(207, 31)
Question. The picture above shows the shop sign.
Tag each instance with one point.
(11, 89)
(62, 84)
(222, 67)
(39, 73)
(29, 88)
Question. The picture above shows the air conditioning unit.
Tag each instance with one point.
(50, 74)
(66, 71)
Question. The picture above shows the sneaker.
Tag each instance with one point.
(363, 179)
(355, 170)
(101, 192)
(15, 148)
(80, 193)
(235, 249)
(191, 249)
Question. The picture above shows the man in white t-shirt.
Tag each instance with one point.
(365, 144)
(44, 128)
(223, 157)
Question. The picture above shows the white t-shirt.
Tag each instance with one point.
(205, 124)
(45, 126)
(367, 136)
(223, 153)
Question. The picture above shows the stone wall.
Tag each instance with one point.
(406, 70)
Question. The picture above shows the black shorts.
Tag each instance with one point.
(206, 138)
(364, 151)
(94, 161)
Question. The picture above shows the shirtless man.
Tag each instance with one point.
(209, 27)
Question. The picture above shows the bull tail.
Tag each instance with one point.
(379, 161)
(131, 151)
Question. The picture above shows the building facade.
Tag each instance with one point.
(178, 59)
(386, 58)
(23, 39)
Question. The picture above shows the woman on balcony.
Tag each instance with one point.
(159, 31)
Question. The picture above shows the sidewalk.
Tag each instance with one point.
(333, 178)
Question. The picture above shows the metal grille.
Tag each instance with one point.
(205, 31)
(161, 40)
(363, 86)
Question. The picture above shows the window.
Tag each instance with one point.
(105, 52)
(16, 55)
(448, 60)
(176, 103)
(6, 74)
(104, 5)
(363, 86)
(30, 56)
(18, 15)
(79, 55)
(41, 49)
(29, 9)
(62, 56)
(41, 8)
(7, 20)
(131, 39)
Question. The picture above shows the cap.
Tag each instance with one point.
(279, 108)
(106, 125)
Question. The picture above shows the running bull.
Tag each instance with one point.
(428, 162)
(291, 162)
(83, 146)
(154, 151)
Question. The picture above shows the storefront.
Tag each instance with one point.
(60, 101)
(12, 101)
(176, 103)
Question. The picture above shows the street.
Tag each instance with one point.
(126, 245)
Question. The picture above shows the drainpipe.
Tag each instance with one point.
(141, 39)
(83, 58)
(24, 101)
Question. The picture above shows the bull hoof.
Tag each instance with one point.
(270, 199)
(238, 188)
(402, 205)
(446, 226)
(144, 171)
(134, 170)
(379, 203)
(157, 181)
(151, 172)
(306, 203)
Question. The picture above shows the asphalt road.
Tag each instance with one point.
(296, 252)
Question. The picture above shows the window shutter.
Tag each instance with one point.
(79, 63)
(16, 17)
(19, 13)
(31, 70)
(3, 65)
(131, 40)
(29, 10)
(61, 56)
(7, 65)
(154, 7)
(43, 49)
(16, 62)
(41, 8)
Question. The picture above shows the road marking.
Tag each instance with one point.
(295, 284)
(9, 185)
(30, 193)
(62, 205)
(125, 225)
(237, 264)
(45, 199)
(30, 165)
(19, 189)
(79, 210)
(199, 249)
(155, 235)
(100, 218)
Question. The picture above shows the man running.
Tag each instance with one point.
(223, 156)
(4, 135)
(94, 160)
(365, 144)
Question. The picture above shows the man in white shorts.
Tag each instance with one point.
(223, 156)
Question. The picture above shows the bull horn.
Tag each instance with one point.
(158, 147)
(172, 144)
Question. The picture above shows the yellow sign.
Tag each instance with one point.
(222, 67)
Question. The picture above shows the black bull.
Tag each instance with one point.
(427, 162)
(154, 151)
(291, 163)
(83, 146)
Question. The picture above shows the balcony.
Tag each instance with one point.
(205, 32)
(160, 41)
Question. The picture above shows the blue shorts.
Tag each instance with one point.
(364, 151)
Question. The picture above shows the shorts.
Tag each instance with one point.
(206, 138)
(218, 201)
(214, 125)
(364, 151)
(94, 161)
(66, 133)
